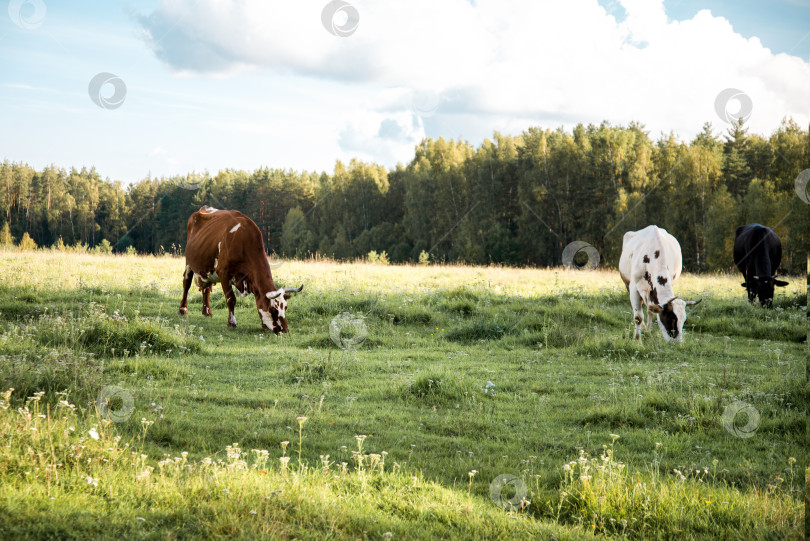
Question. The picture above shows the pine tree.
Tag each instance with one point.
(736, 172)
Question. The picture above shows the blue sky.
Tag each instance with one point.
(212, 84)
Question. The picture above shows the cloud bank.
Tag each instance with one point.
(456, 66)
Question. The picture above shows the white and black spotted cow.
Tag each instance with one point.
(649, 265)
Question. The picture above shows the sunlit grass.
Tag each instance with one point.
(462, 369)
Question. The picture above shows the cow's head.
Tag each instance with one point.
(272, 308)
(671, 317)
(761, 288)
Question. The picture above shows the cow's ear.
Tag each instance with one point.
(744, 284)
(656, 309)
(287, 296)
(780, 283)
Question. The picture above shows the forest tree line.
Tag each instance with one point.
(515, 200)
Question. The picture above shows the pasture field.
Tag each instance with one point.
(462, 375)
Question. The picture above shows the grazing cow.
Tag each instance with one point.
(225, 246)
(758, 254)
(649, 265)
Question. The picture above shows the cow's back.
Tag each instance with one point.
(649, 240)
(757, 250)
(207, 230)
(742, 239)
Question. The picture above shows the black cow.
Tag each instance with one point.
(758, 254)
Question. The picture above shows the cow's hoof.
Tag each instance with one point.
(207, 313)
(183, 311)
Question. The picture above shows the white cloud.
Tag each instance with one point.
(385, 138)
(510, 61)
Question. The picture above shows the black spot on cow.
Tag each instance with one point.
(657, 253)
(646, 259)
(662, 280)
(653, 293)
(669, 320)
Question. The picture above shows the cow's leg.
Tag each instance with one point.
(750, 285)
(188, 276)
(650, 317)
(206, 292)
(230, 297)
(638, 314)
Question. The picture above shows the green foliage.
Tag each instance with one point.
(424, 258)
(27, 243)
(5, 236)
(124, 244)
(515, 200)
(79, 248)
(297, 240)
(104, 247)
(381, 258)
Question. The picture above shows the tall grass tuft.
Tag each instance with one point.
(438, 388)
(604, 496)
(92, 330)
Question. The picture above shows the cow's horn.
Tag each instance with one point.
(274, 294)
(692, 303)
(293, 289)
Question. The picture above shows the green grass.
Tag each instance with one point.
(515, 371)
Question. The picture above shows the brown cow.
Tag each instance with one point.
(225, 246)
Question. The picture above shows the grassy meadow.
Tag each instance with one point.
(128, 420)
